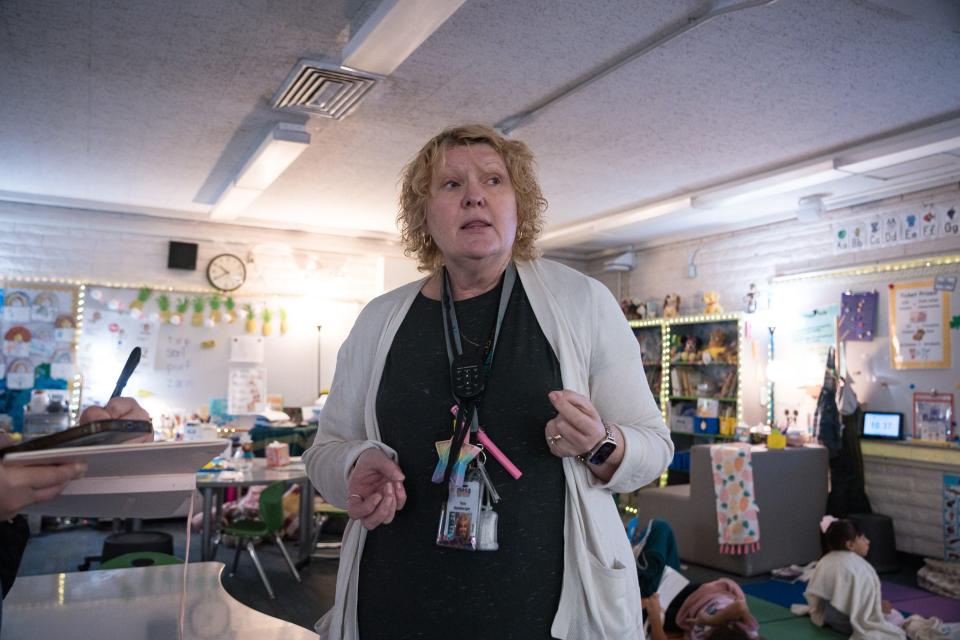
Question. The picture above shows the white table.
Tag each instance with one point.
(141, 603)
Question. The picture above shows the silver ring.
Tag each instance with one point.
(355, 495)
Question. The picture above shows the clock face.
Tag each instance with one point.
(226, 272)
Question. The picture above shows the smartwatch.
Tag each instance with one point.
(599, 454)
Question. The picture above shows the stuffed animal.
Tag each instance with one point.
(640, 312)
(691, 349)
(716, 350)
(671, 306)
(712, 301)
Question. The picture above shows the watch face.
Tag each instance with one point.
(226, 272)
(601, 454)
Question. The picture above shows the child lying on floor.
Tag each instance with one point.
(713, 611)
(716, 610)
(844, 591)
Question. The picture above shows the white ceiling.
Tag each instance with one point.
(152, 107)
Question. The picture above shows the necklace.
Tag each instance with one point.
(469, 341)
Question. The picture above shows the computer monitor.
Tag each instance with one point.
(882, 425)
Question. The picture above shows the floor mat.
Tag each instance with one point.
(797, 629)
(893, 592)
(947, 609)
(765, 611)
(781, 593)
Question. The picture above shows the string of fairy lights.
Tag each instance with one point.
(666, 327)
(75, 386)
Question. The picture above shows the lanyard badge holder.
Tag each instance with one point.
(468, 520)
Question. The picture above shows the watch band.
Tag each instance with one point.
(599, 454)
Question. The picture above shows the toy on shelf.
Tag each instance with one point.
(716, 350)
(671, 305)
(691, 350)
(711, 300)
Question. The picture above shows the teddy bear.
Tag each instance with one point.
(716, 350)
(712, 301)
(671, 306)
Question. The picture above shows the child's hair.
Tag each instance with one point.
(729, 631)
(838, 534)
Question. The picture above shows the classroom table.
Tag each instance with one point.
(140, 603)
(212, 485)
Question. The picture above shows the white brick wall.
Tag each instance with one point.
(41, 240)
(912, 494)
(104, 247)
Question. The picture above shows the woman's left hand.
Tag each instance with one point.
(577, 428)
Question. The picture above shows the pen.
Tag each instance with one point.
(128, 369)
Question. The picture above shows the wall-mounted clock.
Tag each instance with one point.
(226, 272)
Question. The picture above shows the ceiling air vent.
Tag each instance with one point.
(320, 89)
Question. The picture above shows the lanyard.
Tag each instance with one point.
(467, 371)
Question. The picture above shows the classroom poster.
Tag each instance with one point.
(246, 390)
(919, 326)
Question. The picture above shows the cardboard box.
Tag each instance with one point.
(681, 424)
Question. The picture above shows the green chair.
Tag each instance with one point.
(269, 523)
(140, 559)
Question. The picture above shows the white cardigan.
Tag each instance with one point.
(599, 357)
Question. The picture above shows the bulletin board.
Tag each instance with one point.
(189, 357)
(878, 381)
(37, 328)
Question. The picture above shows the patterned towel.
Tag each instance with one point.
(737, 520)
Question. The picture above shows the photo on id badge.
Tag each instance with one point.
(459, 523)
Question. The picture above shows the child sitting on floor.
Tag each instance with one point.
(844, 590)
(716, 610)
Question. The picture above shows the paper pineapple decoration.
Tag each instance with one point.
(267, 317)
(215, 314)
(136, 307)
(163, 302)
(230, 306)
(251, 318)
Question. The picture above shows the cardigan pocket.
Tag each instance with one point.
(613, 612)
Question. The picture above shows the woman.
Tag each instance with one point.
(561, 378)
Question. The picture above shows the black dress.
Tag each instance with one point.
(408, 586)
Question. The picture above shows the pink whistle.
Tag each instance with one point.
(500, 456)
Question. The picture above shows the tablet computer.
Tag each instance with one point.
(91, 433)
(882, 425)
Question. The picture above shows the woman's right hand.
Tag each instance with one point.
(375, 489)
(21, 486)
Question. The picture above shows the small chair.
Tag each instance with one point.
(323, 512)
(140, 559)
(269, 523)
(118, 544)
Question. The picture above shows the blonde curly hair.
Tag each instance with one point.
(415, 191)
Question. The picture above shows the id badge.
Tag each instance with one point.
(460, 516)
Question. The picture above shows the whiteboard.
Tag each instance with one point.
(186, 366)
(878, 385)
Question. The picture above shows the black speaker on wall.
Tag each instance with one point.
(182, 255)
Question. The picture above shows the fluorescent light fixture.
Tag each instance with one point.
(769, 184)
(615, 221)
(276, 153)
(233, 201)
(273, 156)
(394, 31)
(903, 148)
(890, 189)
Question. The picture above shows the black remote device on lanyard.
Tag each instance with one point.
(466, 377)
